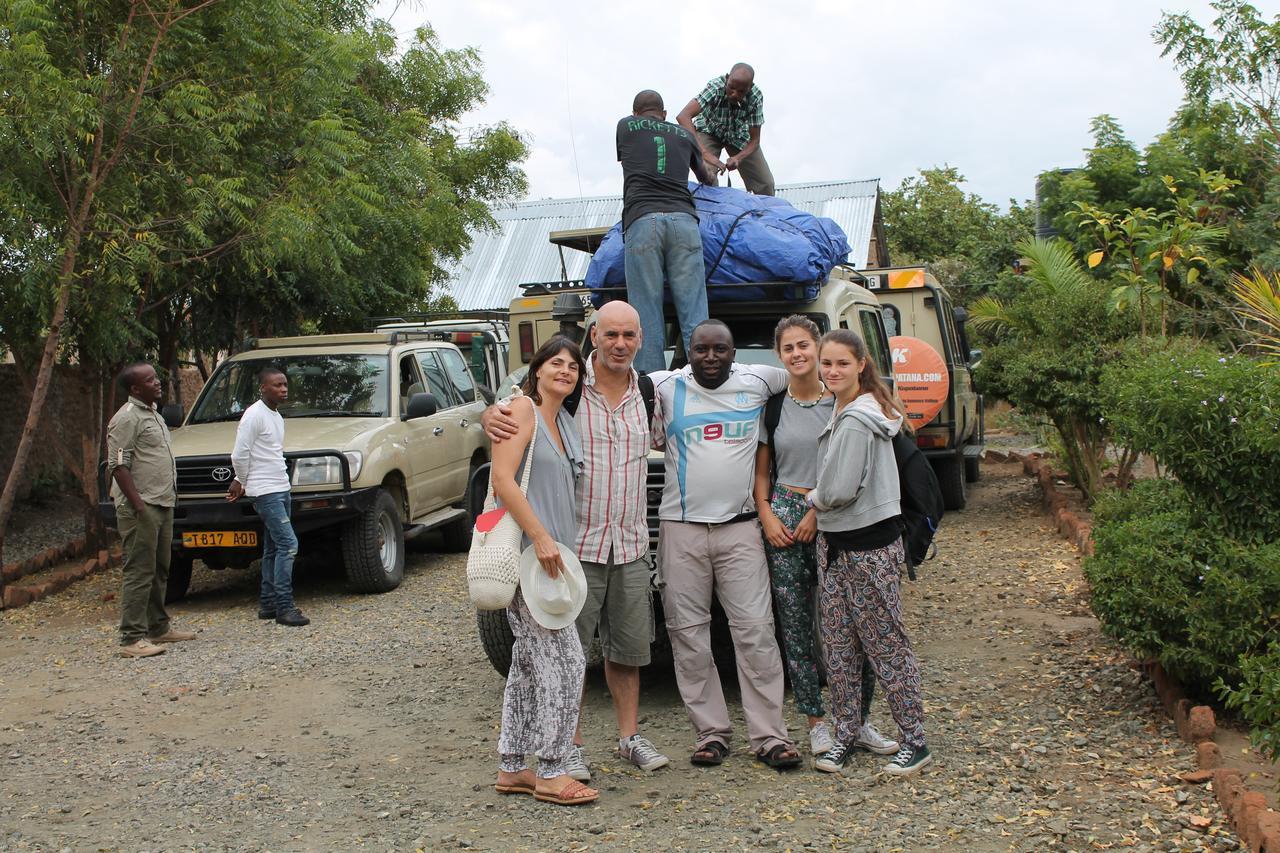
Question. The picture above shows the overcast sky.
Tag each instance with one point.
(853, 89)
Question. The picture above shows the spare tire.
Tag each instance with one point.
(496, 638)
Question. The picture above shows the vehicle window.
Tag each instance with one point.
(456, 370)
(330, 385)
(437, 382)
(952, 340)
(410, 381)
(892, 320)
(875, 344)
(752, 336)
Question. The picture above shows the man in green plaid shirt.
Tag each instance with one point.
(726, 116)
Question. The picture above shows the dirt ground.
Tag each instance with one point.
(375, 727)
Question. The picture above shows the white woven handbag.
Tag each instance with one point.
(493, 564)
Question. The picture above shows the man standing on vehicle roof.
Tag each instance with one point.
(261, 473)
(612, 417)
(661, 240)
(710, 539)
(145, 489)
(727, 115)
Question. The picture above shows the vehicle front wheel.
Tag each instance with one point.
(373, 547)
(496, 638)
(179, 577)
(951, 479)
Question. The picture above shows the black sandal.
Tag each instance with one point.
(777, 757)
(710, 754)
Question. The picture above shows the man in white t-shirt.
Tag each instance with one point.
(261, 473)
(709, 415)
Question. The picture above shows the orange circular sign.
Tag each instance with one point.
(920, 377)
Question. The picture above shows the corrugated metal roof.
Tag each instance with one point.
(490, 274)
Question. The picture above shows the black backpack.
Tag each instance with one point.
(921, 502)
(921, 496)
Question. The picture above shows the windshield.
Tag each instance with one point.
(353, 386)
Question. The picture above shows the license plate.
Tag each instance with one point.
(220, 539)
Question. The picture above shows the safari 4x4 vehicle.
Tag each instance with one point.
(552, 308)
(916, 306)
(483, 340)
(382, 437)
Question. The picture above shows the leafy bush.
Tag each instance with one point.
(1213, 420)
(1171, 588)
(1258, 698)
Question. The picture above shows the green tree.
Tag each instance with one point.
(1049, 344)
(964, 240)
(163, 155)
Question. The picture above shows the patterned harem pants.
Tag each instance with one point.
(862, 612)
(794, 573)
(544, 686)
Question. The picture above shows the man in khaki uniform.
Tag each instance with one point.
(144, 489)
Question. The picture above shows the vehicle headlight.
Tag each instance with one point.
(325, 470)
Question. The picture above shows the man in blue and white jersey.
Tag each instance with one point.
(709, 539)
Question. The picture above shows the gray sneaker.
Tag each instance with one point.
(820, 740)
(576, 765)
(870, 739)
(640, 752)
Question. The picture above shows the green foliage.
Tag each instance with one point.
(965, 241)
(1171, 588)
(226, 165)
(1212, 420)
(1257, 698)
(1047, 347)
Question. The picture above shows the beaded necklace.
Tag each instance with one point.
(808, 404)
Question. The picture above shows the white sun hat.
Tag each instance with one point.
(554, 602)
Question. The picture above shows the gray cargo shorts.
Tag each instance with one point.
(620, 605)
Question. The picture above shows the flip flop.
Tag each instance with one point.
(514, 789)
(573, 794)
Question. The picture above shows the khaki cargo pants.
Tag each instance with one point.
(147, 538)
(755, 170)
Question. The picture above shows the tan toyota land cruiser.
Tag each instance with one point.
(916, 306)
(382, 437)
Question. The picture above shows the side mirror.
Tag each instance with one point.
(422, 406)
(487, 394)
(172, 415)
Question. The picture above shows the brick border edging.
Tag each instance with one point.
(21, 596)
(46, 559)
(1247, 811)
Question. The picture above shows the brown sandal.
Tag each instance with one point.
(516, 787)
(573, 794)
(710, 754)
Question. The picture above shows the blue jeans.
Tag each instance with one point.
(659, 245)
(279, 547)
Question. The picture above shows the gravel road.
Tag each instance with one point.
(376, 726)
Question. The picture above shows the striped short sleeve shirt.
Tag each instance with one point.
(612, 510)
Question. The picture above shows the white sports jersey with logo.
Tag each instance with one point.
(711, 437)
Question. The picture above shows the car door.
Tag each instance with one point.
(421, 438)
(448, 430)
(469, 411)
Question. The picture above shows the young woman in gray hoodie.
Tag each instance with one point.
(860, 555)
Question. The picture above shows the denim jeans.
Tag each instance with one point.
(279, 547)
(658, 246)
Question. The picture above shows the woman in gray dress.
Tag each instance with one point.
(544, 684)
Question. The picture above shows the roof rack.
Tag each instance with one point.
(430, 316)
(545, 288)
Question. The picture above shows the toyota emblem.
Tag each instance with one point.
(222, 474)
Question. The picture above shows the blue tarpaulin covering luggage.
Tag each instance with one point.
(745, 238)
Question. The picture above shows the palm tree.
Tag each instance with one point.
(1259, 306)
